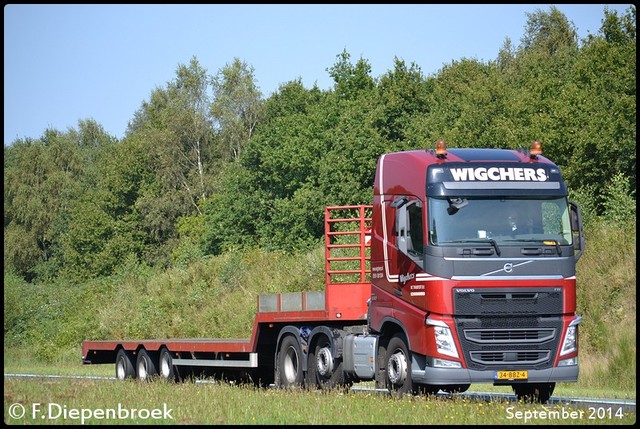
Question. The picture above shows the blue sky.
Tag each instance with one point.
(63, 63)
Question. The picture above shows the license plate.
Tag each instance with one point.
(511, 375)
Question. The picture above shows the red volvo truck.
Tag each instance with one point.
(462, 271)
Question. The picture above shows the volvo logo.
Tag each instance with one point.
(508, 267)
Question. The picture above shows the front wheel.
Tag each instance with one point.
(425, 389)
(289, 369)
(455, 388)
(398, 367)
(534, 392)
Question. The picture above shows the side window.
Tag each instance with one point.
(408, 230)
(414, 210)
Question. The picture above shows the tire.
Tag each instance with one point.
(146, 366)
(289, 372)
(455, 388)
(425, 389)
(398, 367)
(534, 392)
(166, 369)
(124, 365)
(323, 370)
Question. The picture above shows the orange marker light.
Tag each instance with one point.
(441, 149)
(536, 149)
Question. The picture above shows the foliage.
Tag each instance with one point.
(208, 165)
(237, 107)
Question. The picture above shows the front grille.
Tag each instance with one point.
(523, 357)
(508, 301)
(489, 336)
(492, 343)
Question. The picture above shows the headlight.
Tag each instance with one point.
(570, 343)
(443, 337)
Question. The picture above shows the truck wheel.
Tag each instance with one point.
(398, 367)
(145, 366)
(425, 389)
(534, 392)
(166, 369)
(289, 371)
(324, 371)
(455, 388)
(124, 365)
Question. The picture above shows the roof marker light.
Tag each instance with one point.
(441, 149)
(536, 149)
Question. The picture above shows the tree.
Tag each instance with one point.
(237, 107)
(402, 95)
(350, 79)
(43, 179)
(177, 141)
(548, 31)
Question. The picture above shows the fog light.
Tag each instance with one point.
(443, 363)
(569, 362)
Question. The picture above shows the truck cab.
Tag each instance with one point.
(473, 256)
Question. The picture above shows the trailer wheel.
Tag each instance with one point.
(324, 371)
(534, 392)
(166, 369)
(124, 365)
(145, 366)
(398, 367)
(289, 371)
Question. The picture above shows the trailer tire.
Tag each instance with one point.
(289, 372)
(124, 365)
(146, 367)
(167, 370)
(398, 367)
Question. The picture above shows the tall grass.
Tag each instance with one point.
(606, 299)
(217, 403)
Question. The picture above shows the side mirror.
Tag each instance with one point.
(577, 229)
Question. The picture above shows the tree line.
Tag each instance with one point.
(208, 164)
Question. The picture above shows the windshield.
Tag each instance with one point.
(503, 220)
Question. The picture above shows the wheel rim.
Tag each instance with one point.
(165, 366)
(142, 369)
(290, 367)
(324, 362)
(397, 368)
(120, 372)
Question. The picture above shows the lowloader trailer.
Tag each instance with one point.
(462, 271)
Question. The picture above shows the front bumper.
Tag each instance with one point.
(446, 376)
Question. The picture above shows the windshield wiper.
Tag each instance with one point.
(546, 242)
(491, 241)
